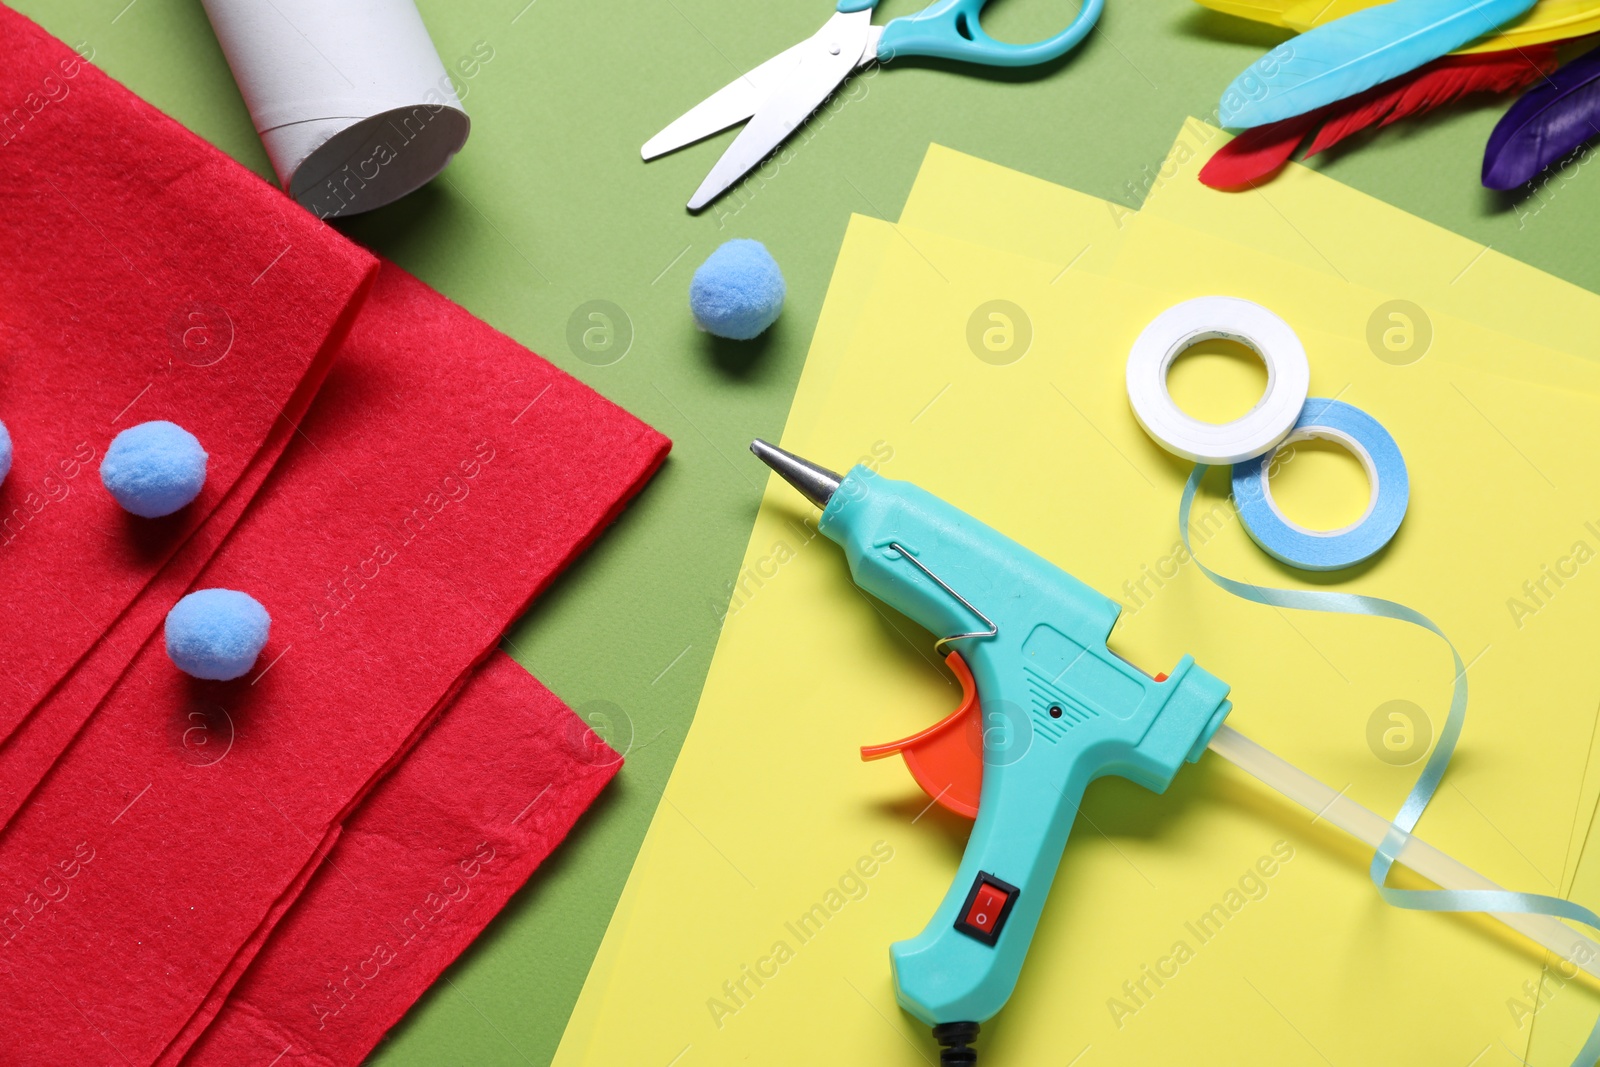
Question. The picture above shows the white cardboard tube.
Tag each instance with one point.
(349, 96)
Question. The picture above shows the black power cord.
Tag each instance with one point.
(955, 1041)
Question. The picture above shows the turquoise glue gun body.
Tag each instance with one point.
(1059, 710)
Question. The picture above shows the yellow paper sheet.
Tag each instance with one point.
(1160, 252)
(1305, 216)
(972, 199)
(1559, 1012)
(1332, 228)
(1555, 1013)
(768, 813)
(1054, 223)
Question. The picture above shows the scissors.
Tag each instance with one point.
(781, 93)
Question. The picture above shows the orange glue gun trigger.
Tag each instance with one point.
(946, 759)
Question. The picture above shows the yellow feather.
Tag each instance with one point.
(1304, 14)
(1549, 20)
(1268, 11)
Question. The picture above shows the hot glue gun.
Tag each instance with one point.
(1032, 650)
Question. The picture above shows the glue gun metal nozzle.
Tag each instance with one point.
(816, 484)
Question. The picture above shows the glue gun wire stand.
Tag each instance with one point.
(1043, 648)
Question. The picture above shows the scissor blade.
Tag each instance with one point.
(827, 60)
(733, 103)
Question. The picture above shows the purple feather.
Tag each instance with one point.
(1545, 124)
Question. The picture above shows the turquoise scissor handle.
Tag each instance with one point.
(949, 29)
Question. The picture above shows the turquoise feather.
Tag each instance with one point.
(1354, 53)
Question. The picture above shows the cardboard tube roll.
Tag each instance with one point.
(349, 97)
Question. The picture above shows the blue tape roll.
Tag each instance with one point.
(1328, 550)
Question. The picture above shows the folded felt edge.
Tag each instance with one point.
(653, 451)
(659, 447)
(497, 686)
(25, 37)
(237, 967)
(46, 726)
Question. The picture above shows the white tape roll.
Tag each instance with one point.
(1227, 318)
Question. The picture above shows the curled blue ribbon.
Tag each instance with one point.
(1427, 783)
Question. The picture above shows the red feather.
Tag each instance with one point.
(1440, 82)
(1259, 153)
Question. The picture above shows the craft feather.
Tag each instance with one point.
(1261, 152)
(1550, 121)
(1355, 53)
(1547, 20)
(1309, 14)
(1256, 155)
(1269, 11)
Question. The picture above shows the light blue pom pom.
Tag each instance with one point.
(738, 291)
(217, 633)
(5, 452)
(154, 468)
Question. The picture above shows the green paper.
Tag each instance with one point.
(549, 208)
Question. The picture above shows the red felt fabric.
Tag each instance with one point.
(426, 861)
(143, 275)
(27, 755)
(442, 477)
(245, 957)
(241, 962)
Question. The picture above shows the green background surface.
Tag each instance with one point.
(548, 208)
